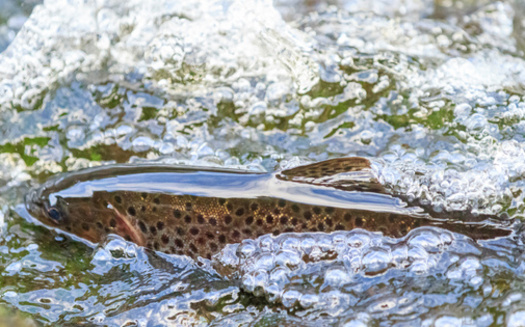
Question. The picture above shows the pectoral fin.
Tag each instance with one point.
(349, 174)
(125, 228)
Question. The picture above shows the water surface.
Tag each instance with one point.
(431, 91)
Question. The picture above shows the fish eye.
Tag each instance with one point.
(54, 214)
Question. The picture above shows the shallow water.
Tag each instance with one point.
(430, 91)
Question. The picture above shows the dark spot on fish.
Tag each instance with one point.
(259, 222)
(132, 211)
(127, 238)
(187, 219)
(276, 232)
(317, 210)
(160, 225)
(229, 206)
(295, 208)
(208, 256)
(222, 201)
(320, 226)
(194, 231)
(118, 199)
(142, 227)
(201, 240)
(347, 217)
(391, 218)
(212, 221)
(282, 203)
(359, 222)
(269, 219)
(107, 230)
(177, 214)
(294, 221)
(85, 226)
(304, 226)
(153, 230)
(165, 239)
(329, 222)
(276, 211)
(227, 219)
(180, 231)
(179, 243)
(284, 220)
(214, 247)
(313, 229)
(143, 208)
(339, 227)
(239, 212)
(247, 232)
(193, 248)
(154, 209)
(188, 206)
(307, 215)
(288, 230)
(249, 220)
(200, 219)
(156, 245)
(156, 201)
(144, 195)
(222, 238)
(260, 234)
(113, 222)
(329, 210)
(254, 206)
(236, 234)
(99, 225)
(210, 235)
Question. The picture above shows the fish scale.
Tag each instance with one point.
(206, 224)
(199, 211)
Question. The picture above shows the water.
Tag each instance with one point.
(431, 91)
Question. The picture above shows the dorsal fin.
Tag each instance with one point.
(349, 174)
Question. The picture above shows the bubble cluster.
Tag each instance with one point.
(345, 274)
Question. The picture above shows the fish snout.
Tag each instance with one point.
(34, 202)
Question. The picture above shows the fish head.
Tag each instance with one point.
(67, 214)
(91, 217)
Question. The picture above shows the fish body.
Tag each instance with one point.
(196, 211)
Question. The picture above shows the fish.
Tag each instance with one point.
(197, 211)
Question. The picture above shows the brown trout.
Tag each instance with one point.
(196, 211)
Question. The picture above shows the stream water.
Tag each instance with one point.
(432, 92)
